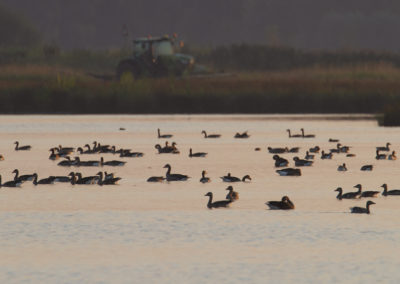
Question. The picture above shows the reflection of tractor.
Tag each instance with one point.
(155, 57)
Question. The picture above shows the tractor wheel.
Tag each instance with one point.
(127, 66)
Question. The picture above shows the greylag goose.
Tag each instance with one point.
(174, 177)
(368, 193)
(280, 162)
(387, 192)
(11, 183)
(217, 204)
(22, 148)
(289, 172)
(362, 210)
(210, 135)
(232, 195)
(198, 154)
(203, 178)
(229, 178)
(348, 195)
(164, 135)
(284, 204)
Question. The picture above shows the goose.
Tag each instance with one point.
(333, 140)
(198, 154)
(65, 150)
(1, 158)
(367, 168)
(53, 156)
(294, 135)
(22, 148)
(98, 148)
(119, 151)
(79, 163)
(368, 193)
(385, 148)
(217, 204)
(66, 163)
(315, 149)
(361, 210)
(110, 181)
(308, 156)
(337, 149)
(174, 177)
(242, 135)
(229, 178)
(294, 150)
(380, 156)
(129, 154)
(62, 179)
(306, 136)
(302, 163)
(171, 149)
(210, 135)
(155, 179)
(232, 195)
(81, 151)
(325, 156)
(163, 136)
(22, 178)
(350, 155)
(278, 150)
(86, 180)
(343, 149)
(289, 172)
(342, 168)
(90, 151)
(113, 163)
(257, 149)
(160, 149)
(348, 195)
(11, 183)
(392, 156)
(108, 175)
(203, 178)
(49, 180)
(280, 162)
(389, 192)
(284, 204)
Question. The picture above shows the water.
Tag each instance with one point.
(139, 232)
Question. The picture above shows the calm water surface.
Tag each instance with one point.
(139, 232)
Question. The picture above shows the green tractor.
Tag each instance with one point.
(155, 57)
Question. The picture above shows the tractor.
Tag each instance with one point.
(155, 57)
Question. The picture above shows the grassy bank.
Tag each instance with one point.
(53, 89)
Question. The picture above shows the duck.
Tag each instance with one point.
(392, 156)
(367, 168)
(242, 135)
(113, 163)
(49, 180)
(110, 181)
(164, 135)
(314, 149)
(156, 179)
(385, 148)
(11, 183)
(361, 210)
(294, 135)
(325, 156)
(280, 162)
(22, 178)
(308, 156)
(278, 150)
(203, 178)
(348, 195)
(210, 135)
(232, 195)
(284, 204)
(289, 172)
(368, 193)
(198, 154)
(53, 156)
(380, 156)
(302, 163)
(217, 204)
(230, 178)
(306, 136)
(174, 177)
(342, 168)
(22, 148)
(387, 192)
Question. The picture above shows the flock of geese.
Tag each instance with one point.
(104, 178)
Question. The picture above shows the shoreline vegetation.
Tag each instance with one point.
(55, 82)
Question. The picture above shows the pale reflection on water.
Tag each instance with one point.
(139, 232)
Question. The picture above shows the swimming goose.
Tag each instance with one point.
(101, 148)
(278, 150)
(232, 195)
(110, 181)
(113, 163)
(155, 179)
(333, 140)
(86, 180)
(229, 178)
(257, 149)
(53, 156)
(342, 168)
(325, 156)
(361, 210)
(65, 150)
(160, 149)
(174, 177)
(348, 195)
(368, 193)
(198, 154)
(343, 149)
(77, 162)
(90, 151)
(49, 180)
(308, 156)
(22, 148)
(203, 178)
(289, 172)
(11, 183)
(350, 155)
(380, 156)
(164, 135)
(66, 163)
(128, 154)
(315, 149)
(384, 148)
(22, 178)
(389, 192)
(392, 156)
(337, 149)
(210, 135)
(217, 204)
(302, 163)
(171, 149)
(280, 162)
(284, 204)
(81, 151)
(294, 135)
(294, 150)
(62, 179)
(242, 135)
(367, 168)
(306, 136)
